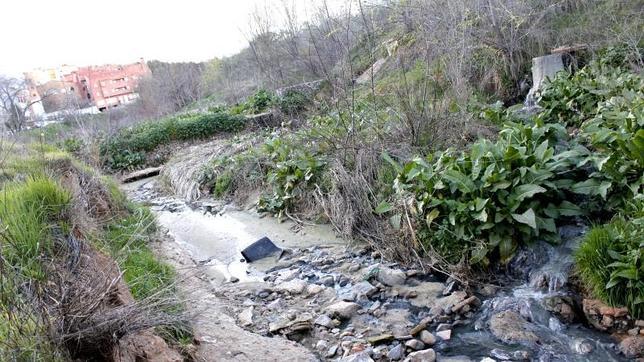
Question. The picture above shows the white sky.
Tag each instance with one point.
(45, 33)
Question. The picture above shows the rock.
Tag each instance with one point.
(396, 353)
(294, 286)
(421, 326)
(277, 304)
(415, 344)
(604, 317)
(344, 310)
(246, 317)
(390, 277)
(331, 351)
(379, 339)
(487, 359)
(632, 347)
(374, 306)
(633, 331)
(365, 289)
(144, 346)
(427, 355)
(314, 289)
(500, 354)
(327, 281)
(321, 345)
(520, 355)
(448, 302)
(582, 346)
(353, 268)
(427, 338)
(357, 357)
(444, 335)
(639, 323)
(324, 321)
(473, 300)
(488, 290)
(443, 327)
(510, 327)
(561, 307)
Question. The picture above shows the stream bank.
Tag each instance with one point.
(326, 300)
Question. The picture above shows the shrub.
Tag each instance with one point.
(616, 137)
(571, 99)
(293, 102)
(72, 145)
(496, 195)
(260, 101)
(289, 170)
(610, 262)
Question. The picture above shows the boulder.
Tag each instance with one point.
(632, 347)
(510, 327)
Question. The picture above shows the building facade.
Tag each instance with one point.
(103, 86)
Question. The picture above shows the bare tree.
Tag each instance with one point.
(16, 103)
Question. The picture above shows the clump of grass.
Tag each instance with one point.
(28, 211)
(610, 262)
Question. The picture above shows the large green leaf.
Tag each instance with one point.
(567, 208)
(383, 207)
(588, 187)
(528, 218)
(524, 191)
(460, 180)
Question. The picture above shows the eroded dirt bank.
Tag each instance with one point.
(326, 300)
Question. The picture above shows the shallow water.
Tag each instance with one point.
(217, 237)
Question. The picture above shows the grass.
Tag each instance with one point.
(610, 263)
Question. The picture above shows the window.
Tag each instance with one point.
(89, 96)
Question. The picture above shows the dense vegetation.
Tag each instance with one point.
(50, 222)
(127, 149)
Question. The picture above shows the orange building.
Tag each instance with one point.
(107, 86)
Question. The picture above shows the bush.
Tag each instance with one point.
(573, 98)
(126, 150)
(610, 262)
(260, 101)
(290, 168)
(72, 145)
(293, 102)
(496, 195)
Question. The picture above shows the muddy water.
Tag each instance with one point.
(215, 235)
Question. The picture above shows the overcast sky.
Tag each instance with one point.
(45, 33)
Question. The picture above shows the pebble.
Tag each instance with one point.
(444, 335)
(354, 268)
(328, 280)
(331, 351)
(415, 344)
(324, 321)
(342, 309)
(396, 353)
(443, 327)
(427, 338)
(427, 355)
(321, 345)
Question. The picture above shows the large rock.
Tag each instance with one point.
(342, 309)
(145, 346)
(427, 355)
(357, 357)
(606, 318)
(510, 327)
(390, 277)
(632, 347)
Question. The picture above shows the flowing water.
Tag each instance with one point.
(215, 235)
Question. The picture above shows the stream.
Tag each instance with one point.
(214, 236)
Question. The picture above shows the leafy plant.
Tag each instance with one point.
(289, 170)
(571, 99)
(487, 200)
(260, 101)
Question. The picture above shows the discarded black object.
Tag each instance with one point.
(260, 249)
